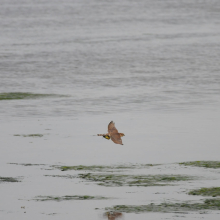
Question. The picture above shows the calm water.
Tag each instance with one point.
(151, 66)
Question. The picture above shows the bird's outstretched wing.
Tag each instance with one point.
(113, 133)
(116, 138)
(111, 128)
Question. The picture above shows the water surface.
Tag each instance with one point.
(151, 66)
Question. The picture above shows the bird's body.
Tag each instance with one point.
(113, 134)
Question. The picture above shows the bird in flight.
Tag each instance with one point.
(113, 134)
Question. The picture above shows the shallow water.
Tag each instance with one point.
(151, 66)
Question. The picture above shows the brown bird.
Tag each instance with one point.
(113, 134)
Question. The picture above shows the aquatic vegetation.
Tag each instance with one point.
(81, 167)
(214, 191)
(206, 164)
(22, 95)
(208, 204)
(62, 176)
(8, 179)
(132, 180)
(62, 198)
(104, 168)
(27, 164)
(29, 135)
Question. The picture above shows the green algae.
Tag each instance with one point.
(29, 135)
(104, 168)
(208, 204)
(81, 167)
(8, 179)
(214, 191)
(62, 176)
(27, 164)
(62, 198)
(133, 180)
(206, 164)
(23, 95)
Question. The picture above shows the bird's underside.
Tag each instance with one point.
(113, 134)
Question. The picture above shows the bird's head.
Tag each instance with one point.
(106, 137)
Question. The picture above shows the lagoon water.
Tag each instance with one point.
(150, 66)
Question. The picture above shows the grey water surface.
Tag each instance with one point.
(151, 66)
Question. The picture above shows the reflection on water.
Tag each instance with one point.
(112, 215)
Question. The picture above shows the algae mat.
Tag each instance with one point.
(208, 204)
(134, 180)
(21, 95)
(206, 164)
(213, 191)
(29, 135)
(27, 164)
(105, 168)
(62, 198)
(8, 179)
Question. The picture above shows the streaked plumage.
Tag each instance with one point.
(113, 134)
